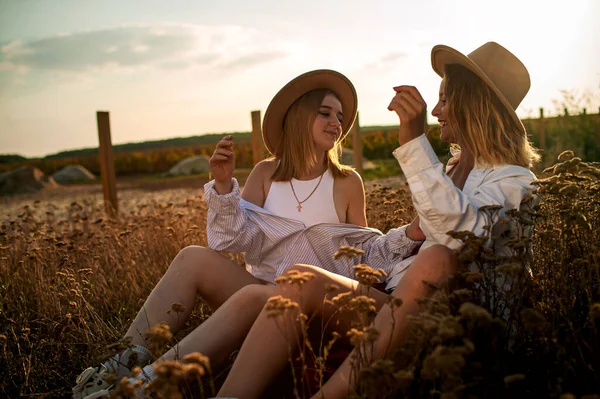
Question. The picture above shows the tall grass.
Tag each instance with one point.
(71, 280)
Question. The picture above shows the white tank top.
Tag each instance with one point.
(319, 208)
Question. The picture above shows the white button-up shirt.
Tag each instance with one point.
(442, 207)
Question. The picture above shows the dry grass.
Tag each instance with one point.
(72, 279)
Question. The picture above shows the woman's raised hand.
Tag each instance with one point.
(411, 109)
(222, 165)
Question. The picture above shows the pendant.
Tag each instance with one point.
(299, 207)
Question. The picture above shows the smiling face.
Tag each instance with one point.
(441, 113)
(327, 127)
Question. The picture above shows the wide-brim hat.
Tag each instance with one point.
(272, 128)
(501, 70)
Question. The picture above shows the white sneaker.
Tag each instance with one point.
(91, 384)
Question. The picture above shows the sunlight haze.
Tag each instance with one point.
(180, 68)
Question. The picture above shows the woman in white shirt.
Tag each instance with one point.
(292, 204)
(476, 111)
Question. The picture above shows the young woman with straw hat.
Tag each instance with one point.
(476, 111)
(299, 206)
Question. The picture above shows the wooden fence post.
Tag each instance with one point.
(257, 140)
(542, 129)
(357, 146)
(107, 164)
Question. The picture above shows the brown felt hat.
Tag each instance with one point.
(272, 128)
(501, 70)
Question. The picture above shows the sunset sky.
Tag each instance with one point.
(179, 68)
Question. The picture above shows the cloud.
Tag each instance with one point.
(394, 56)
(167, 46)
(251, 60)
(386, 61)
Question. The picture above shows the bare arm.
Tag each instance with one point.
(356, 212)
(222, 165)
(414, 232)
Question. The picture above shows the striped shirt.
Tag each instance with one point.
(236, 225)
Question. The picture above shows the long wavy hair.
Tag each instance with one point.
(297, 154)
(482, 124)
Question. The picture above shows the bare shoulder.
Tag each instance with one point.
(265, 169)
(258, 182)
(352, 183)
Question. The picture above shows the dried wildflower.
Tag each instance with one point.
(169, 370)
(364, 335)
(295, 278)
(277, 305)
(193, 371)
(343, 299)
(176, 308)
(135, 371)
(362, 304)
(348, 252)
(169, 374)
(124, 389)
(404, 377)
(377, 378)
(157, 337)
(443, 361)
(197, 358)
(450, 328)
(471, 311)
(366, 275)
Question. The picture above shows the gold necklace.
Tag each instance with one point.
(309, 195)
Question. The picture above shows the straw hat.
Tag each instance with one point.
(272, 128)
(501, 70)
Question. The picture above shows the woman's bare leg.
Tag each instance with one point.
(434, 264)
(264, 353)
(195, 270)
(225, 330)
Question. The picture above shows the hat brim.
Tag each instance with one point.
(272, 128)
(443, 55)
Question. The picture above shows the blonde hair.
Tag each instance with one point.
(481, 122)
(297, 154)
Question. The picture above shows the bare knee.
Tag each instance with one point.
(437, 263)
(439, 252)
(191, 259)
(251, 297)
